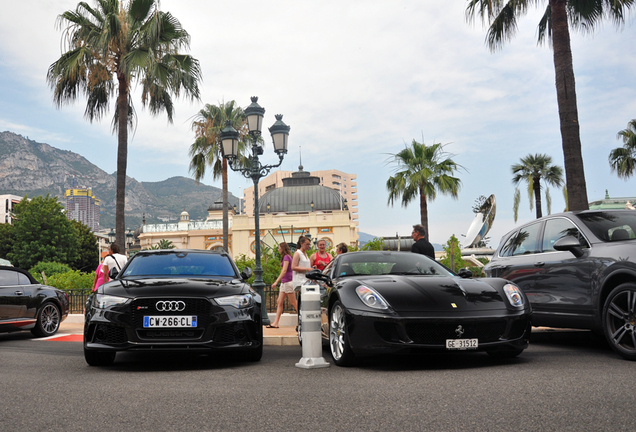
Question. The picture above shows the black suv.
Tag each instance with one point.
(578, 270)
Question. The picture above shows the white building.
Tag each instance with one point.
(7, 202)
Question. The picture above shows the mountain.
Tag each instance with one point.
(31, 168)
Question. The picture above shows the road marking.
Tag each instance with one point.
(63, 338)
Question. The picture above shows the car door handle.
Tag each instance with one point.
(19, 293)
(539, 264)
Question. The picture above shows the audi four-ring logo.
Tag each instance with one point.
(170, 306)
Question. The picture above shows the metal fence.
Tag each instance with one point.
(77, 300)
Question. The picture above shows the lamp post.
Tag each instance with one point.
(255, 170)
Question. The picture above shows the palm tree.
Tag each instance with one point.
(165, 244)
(533, 169)
(623, 159)
(585, 15)
(206, 149)
(422, 171)
(107, 48)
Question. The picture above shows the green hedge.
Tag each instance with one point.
(72, 280)
(49, 269)
(62, 277)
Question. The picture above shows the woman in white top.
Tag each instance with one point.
(113, 260)
(300, 262)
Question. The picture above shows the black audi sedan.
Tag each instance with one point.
(381, 302)
(174, 300)
(578, 270)
(25, 304)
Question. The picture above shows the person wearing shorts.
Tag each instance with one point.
(286, 283)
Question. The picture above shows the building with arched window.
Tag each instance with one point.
(301, 206)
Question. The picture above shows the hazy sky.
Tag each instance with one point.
(355, 80)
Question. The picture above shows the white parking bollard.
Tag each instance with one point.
(310, 328)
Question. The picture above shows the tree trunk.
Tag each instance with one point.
(122, 161)
(424, 212)
(568, 113)
(536, 188)
(225, 208)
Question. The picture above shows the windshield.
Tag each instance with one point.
(611, 226)
(180, 264)
(381, 263)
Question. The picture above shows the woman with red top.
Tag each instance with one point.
(320, 259)
(286, 284)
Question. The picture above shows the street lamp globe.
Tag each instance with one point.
(280, 133)
(111, 236)
(229, 140)
(255, 114)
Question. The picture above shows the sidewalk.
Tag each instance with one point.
(285, 335)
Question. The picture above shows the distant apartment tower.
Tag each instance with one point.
(343, 182)
(7, 202)
(82, 206)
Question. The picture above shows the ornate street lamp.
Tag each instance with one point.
(255, 171)
(129, 238)
(111, 236)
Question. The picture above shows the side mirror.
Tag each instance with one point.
(571, 244)
(112, 273)
(246, 273)
(465, 273)
(317, 275)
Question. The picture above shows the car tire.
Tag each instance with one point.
(502, 355)
(619, 320)
(99, 358)
(339, 345)
(48, 320)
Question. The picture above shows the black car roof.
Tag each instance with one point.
(19, 270)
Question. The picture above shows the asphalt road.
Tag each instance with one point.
(565, 381)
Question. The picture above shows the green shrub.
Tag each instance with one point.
(477, 271)
(49, 269)
(270, 262)
(72, 280)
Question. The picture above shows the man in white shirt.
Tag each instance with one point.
(113, 260)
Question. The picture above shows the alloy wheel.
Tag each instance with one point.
(620, 321)
(337, 332)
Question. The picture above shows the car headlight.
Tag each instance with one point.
(371, 298)
(514, 295)
(238, 301)
(103, 301)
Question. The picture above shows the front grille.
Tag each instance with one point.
(110, 335)
(437, 333)
(147, 306)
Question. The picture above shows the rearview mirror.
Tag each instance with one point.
(569, 243)
(246, 273)
(465, 273)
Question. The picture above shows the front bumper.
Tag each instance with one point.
(374, 333)
(218, 328)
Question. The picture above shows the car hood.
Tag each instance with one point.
(174, 287)
(432, 293)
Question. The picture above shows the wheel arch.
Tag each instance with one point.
(612, 281)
